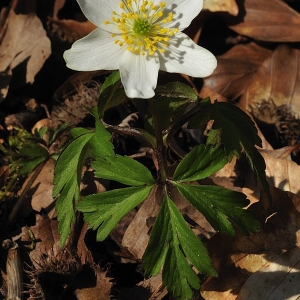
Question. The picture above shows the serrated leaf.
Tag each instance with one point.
(172, 244)
(220, 206)
(122, 169)
(200, 163)
(65, 208)
(67, 176)
(238, 133)
(172, 100)
(100, 142)
(103, 211)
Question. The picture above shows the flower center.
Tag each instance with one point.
(142, 26)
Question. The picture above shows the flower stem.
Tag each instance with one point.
(160, 149)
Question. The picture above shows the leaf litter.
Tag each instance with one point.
(260, 76)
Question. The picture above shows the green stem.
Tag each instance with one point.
(160, 149)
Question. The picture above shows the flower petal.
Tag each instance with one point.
(97, 11)
(96, 51)
(184, 56)
(184, 12)
(139, 74)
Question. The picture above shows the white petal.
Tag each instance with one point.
(96, 51)
(139, 74)
(184, 12)
(184, 56)
(97, 11)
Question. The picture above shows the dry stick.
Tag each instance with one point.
(14, 271)
(30, 182)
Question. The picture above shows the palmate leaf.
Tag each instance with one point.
(123, 169)
(238, 133)
(67, 173)
(220, 206)
(200, 163)
(173, 245)
(103, 211)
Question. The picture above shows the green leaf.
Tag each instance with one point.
(100, 142)
(67, 176)
(111, 93)
(172, 100)
(238, 133)
(123, 169)
(33, 150)
(78, 131)
(220, 206)
(200, 163)
(28, 165)
(33, 155)
(172, 244)
(103, 211)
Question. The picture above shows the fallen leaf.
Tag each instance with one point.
(272, 21)
(229, 6)
(42, 239)
(276, 280)
(58, 5)
(282, 173)
(237, 258)
(39, 196)
(23, 45)
(71, 30)
(235, 71)
(277, 79)
(136, 236)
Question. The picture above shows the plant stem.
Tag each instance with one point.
(160, 149)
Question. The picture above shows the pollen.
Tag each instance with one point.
(142, 27)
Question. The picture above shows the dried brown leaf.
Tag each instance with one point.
(42, 238)
(72, 30)
(40, 195)
(229, 6)
(24, 44)
(282, 173)
(272, 21)
(275, 280)
(58, 4)
(235, 70)
(136, 236)
(277, 79)
(237, 258)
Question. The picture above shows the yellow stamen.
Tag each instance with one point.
(142, 26)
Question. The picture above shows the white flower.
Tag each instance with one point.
(139, 38)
